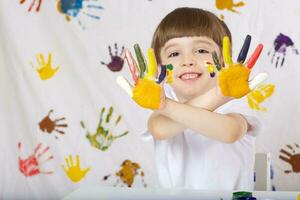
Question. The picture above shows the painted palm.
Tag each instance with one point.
(147, 89)
(233, 77)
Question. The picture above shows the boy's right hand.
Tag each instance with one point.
(147, 90)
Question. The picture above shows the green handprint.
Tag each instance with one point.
(103, 137)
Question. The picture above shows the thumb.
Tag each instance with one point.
(125, 85)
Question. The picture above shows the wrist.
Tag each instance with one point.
(211, 100)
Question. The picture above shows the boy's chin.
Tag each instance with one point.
(187, 95)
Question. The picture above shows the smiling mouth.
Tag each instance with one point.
(190, 76)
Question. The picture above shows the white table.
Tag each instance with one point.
(112, 193)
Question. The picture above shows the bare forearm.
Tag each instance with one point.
(225, 128)
(163, 127)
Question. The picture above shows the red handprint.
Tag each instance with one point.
(31, 165)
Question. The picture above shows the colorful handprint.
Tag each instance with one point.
(147, 88)
(73, 8)
(45, 69)
(73, 170)
(129, 170)
(31, 165)
(103, 138)
(234, 78)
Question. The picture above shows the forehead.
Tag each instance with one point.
(182, 41)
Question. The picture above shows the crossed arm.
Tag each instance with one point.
(197, 114)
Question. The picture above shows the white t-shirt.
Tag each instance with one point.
(191, 160)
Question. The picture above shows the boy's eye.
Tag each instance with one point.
(202, 51)
(173, 54)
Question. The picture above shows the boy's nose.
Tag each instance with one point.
(188, 63)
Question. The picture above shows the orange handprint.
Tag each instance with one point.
(229, 5)
(128, 172)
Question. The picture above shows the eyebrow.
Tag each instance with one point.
(197, 41)
(169, 46)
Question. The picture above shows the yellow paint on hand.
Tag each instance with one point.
(226, 51)
(152, 64)
(233, 81)
(147, 94)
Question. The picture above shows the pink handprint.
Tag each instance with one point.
(31, 165)
(32, 4)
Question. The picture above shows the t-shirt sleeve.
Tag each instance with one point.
(146, 135)
(255, 125)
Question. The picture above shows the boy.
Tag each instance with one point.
(199, 143)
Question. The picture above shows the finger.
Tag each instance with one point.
(132, 65)
(140, 59)
(56, 69)
(71, 160)
(86, 170)
(77, 161)
(163, 74)
(49, 58)
(125, 85)
(68, 163)
(33, 65)
(42, 59)
(257, 80)
(226, 51)
(65, 169)
(38, 59)
(152, 64)
(254, 57)
(216, 60)
(244, 51)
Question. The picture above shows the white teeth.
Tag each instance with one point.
(189, 76)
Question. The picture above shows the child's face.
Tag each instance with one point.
(188, 56)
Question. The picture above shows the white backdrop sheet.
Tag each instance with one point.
(82, 86)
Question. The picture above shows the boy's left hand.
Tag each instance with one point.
(147, 90)
(233, 79)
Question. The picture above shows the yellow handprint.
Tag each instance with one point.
(147, 90)
(233, 78)
(258, 95)
(73, 171)
(44, 69)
